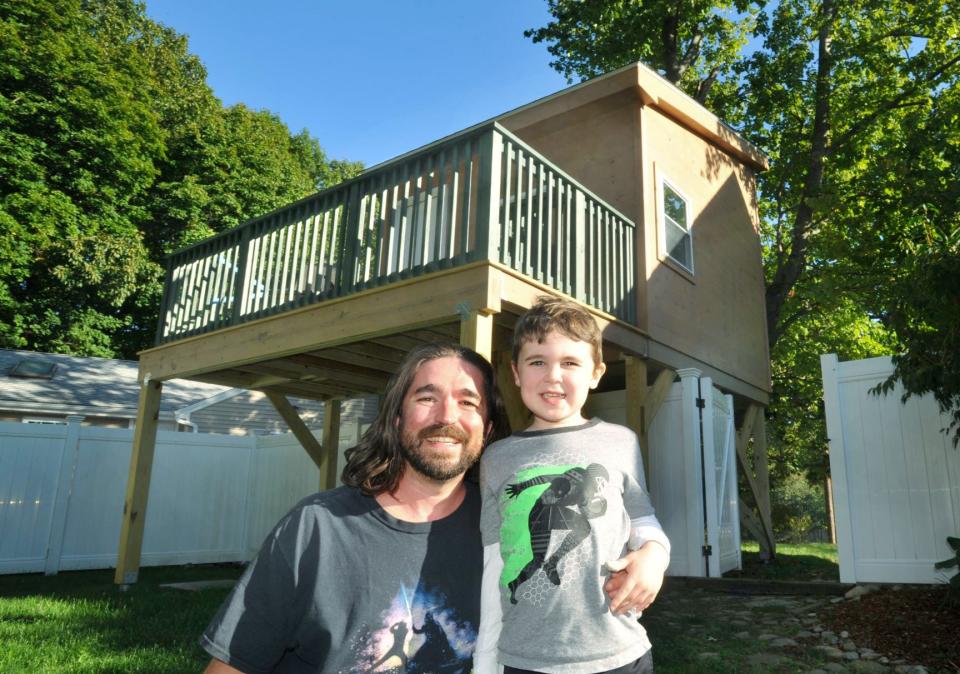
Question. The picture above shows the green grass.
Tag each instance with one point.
(794, 561)
(79, 623)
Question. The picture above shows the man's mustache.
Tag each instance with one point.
(444, 431)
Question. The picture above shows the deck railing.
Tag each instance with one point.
(480, 195)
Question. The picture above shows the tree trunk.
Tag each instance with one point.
(789, 271)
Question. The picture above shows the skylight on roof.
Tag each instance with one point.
(34, 368)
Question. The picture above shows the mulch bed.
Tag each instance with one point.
(917, 624)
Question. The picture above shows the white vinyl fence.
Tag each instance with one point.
(896, 476)
(684, 438)
(213, 498)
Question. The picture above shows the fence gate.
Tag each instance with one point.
(698, 508)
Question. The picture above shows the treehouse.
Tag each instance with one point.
(621, 193)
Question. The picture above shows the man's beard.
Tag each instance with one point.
(440, 468)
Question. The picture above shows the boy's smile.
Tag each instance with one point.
(555, 377)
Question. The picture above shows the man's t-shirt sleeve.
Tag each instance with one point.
(251, 631)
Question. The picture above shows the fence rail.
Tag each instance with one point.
(480, 195)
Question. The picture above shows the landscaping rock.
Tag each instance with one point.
(867, 667)
(783, 642)
(829, 651)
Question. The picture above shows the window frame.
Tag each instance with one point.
(663, 184)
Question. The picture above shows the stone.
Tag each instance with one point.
(782, 642)
(767, 637)
(848, 645)
(867, 667)
(836, 600)
(742, 635)
(835, 667)
(860, 590)
(804, 634)
(851, 655)
(844, 634)
(826, 634)
(829, 651)
(708, 655)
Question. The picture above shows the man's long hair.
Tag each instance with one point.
(376, 464)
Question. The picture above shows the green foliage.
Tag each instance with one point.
(695, 43)
(950, 563)
(114, 152)
(857, 106)
(798, 508)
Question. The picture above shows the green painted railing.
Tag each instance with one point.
(480, 195)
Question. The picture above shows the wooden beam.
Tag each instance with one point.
(765, 521)
(299, 429)
(331, 444)
(335, 366)
(138, 483)
(476, 332)
(635, 399)
(417, 303)
(387, 365)
(517, 412)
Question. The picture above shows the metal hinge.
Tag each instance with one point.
(707, 550)
(701, 403)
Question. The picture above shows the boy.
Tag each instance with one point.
(560, 500)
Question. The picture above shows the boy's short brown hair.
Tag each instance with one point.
(555, 314)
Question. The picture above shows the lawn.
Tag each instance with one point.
(78, 622)
(795, 561)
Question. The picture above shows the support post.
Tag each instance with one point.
(635, 395)
(138, 483)
(331, 444)
(761, 524)
(476, 332)
(517, 412)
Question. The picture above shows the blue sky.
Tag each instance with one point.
(370, 79)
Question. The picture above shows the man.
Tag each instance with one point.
(382, 574)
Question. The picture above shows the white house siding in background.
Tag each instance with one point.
(896, 476)
(213, 498)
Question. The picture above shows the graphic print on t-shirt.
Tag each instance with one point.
(418, 634)
(544, 500)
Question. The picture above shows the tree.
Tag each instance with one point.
(114, 152)
(856, 105)
(694, 43)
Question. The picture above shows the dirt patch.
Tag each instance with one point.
(916, 624)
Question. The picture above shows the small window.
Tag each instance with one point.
(675, 226)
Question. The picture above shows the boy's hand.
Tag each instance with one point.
(636, 578)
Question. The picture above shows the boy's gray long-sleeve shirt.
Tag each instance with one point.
(560, 503)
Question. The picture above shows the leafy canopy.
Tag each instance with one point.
(114, 152)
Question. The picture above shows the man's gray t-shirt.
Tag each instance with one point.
(560, 502)
(342, 586)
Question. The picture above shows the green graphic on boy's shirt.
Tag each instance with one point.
(515, 545)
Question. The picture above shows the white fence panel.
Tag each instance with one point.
(212, 497)
(284, 474)
(896, 476)
(676, 477)
(29, 468)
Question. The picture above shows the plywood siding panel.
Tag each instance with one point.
(717, 314)
(594, 144)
